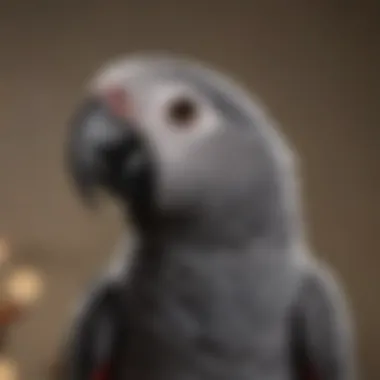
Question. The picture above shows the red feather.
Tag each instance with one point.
(101, 373)
(310, 374)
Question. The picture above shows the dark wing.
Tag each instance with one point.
(97, 336)
(321, 332)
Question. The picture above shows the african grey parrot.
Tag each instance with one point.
(218, 283)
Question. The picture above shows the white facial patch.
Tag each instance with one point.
(171, 134)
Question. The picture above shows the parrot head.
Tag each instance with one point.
(179, 141)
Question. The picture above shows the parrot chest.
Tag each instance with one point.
(221, 322)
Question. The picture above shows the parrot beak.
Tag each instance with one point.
(106, 151)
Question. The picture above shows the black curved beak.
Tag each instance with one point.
(105, 151)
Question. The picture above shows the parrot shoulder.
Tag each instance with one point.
(322, 329)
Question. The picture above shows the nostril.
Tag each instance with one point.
(118, 101)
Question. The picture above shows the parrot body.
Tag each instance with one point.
(220, 284)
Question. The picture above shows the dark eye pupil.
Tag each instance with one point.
(183, 111)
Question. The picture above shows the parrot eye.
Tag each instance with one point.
(182, 112)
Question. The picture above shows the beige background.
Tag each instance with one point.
(316, 66)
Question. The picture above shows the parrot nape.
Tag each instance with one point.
(219, 283)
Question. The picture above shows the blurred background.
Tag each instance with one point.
(314, 64)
